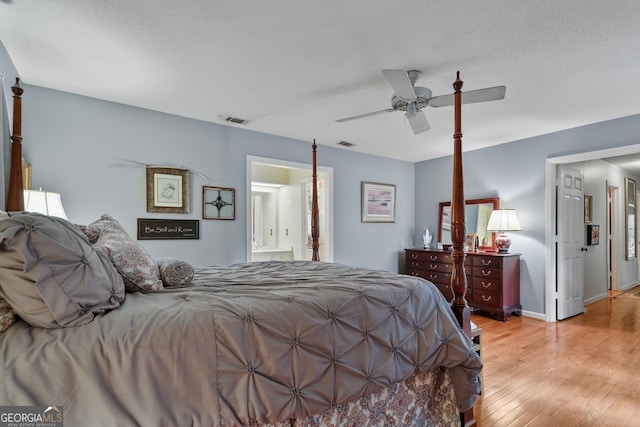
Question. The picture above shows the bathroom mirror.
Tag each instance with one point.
(477, 212)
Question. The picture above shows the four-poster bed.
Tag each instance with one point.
(273, 343)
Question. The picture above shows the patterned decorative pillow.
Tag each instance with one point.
(174, 272)
(7, 316)
(133, 262)
(50, 274)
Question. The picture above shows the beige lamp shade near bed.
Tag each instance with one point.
(502, 220)
(44, 202)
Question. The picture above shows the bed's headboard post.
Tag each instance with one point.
(315, 223)
(458, 227)
(15, 195)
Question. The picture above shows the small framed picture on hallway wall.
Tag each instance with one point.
(593, 235)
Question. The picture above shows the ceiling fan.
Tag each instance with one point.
(412, 99)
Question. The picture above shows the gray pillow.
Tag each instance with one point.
(50, 274)
(133, 262)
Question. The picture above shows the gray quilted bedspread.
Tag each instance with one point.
(242, 345)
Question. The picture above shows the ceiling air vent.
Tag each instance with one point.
(231, 119)
(346, 144)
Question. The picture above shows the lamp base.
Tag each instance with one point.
(503, 243)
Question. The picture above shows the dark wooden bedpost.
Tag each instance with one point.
(458, 227)
(315, 224)
(15, 195)
(458, 232)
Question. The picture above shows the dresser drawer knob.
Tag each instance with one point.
(414, 256)
(433, 276)
(486, 261)
(486, 298)
(433, 266)
(486, 273)
(486, 284)
(433, 257)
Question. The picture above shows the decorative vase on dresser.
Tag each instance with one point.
(493, 279)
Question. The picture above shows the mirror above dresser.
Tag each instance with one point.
(477, 212)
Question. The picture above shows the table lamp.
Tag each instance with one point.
(502, 220)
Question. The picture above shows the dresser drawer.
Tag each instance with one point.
(416, 256)
(416, 264)
(486, 298)
(487, 261)
(487, 273)
(441, 257)
(436, 266)
(487, 284)
(438, 277)
(416, 273)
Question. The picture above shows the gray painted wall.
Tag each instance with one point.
(516, 173)
(84, 149)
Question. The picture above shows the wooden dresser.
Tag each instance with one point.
(493, 279)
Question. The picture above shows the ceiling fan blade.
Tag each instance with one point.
(361, 116)
(418, 121)
(478, 95)
(401, 84)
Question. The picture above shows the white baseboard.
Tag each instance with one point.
(533, 314)
(628, 286)
(596, 298)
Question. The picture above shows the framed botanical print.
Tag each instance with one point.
(218, 203)
(167, 190)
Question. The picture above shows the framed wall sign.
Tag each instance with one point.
(167, 190)
(218, 203)
(378, 202)
(168, 229)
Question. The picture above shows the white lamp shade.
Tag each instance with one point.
(503, 220)
(44, 202)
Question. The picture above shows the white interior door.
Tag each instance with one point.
(570, 238)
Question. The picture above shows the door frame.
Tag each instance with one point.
(550, 215)
(612, 254)
(292, 165)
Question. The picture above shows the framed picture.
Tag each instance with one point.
(378, 202)
(470, 242)
(167, 190)
(630, 219)
(593, 235)
(218, 203)
(588, 208)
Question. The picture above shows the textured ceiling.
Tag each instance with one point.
(292, 67)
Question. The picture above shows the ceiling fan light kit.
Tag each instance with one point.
(412, 99)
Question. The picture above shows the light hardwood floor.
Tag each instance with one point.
(583, 371)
